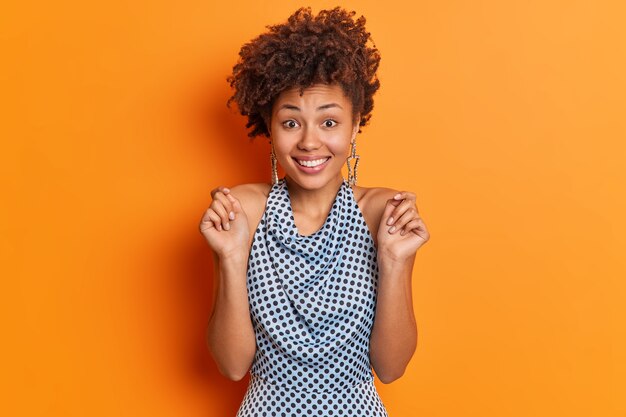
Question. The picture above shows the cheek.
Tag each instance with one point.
(281, 152)
(282, 149)
(338, 142)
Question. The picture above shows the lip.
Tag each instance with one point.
(311, 170)
(311, 158)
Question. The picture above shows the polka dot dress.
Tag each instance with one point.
(312, 303)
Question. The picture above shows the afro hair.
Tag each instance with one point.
(330, 48)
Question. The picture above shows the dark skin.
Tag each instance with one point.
(253, 197)
(299, 127)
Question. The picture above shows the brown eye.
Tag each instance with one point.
(290, 124)
(329, 123)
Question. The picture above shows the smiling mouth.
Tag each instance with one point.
(311, 164)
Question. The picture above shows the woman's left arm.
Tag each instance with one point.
(394, 333)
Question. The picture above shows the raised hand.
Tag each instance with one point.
(225, 224)
(401, 231)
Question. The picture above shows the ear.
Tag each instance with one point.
(355, 129)
(267, 120)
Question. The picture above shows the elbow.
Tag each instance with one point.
(227, 367)
(388, 371)
(234, 376)
(232, 371)
(388, 378)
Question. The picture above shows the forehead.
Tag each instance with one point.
(315, 95)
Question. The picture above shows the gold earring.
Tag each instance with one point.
(274, 166)
(353, 155)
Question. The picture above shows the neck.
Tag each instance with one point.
(314, 202)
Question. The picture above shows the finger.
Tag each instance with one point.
(413, 224)
(402, 195)
(397, 199)
(221, 211)
(236, 205)
(389, 207)
(400, 210)
(212, 217)
(206, 223)
(224, 198)
(405, 195)
(231, 211)
(421, 231)
(220, 189)
(217, 220)
(405, 217)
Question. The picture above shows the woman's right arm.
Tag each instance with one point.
(230, 335)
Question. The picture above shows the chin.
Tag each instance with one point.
(309, 182)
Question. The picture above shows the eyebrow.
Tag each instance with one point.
(322, 107)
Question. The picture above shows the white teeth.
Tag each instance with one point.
(312, 163)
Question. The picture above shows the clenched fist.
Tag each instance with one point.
(401, 231)
(225, 225)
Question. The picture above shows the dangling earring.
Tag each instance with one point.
(274, 165)
(353, 155)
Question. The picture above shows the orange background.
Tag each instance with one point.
(507, 119)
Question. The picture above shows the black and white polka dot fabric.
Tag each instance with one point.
(312, 303)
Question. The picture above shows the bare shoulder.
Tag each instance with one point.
(372, 202)
(253, 198)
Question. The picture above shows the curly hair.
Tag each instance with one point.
(328, 48)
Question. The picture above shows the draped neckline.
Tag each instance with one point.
(339, 197)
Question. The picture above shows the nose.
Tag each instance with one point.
(310, 140)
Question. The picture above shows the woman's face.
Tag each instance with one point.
(314, 130)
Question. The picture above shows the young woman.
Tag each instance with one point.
(313, 273)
